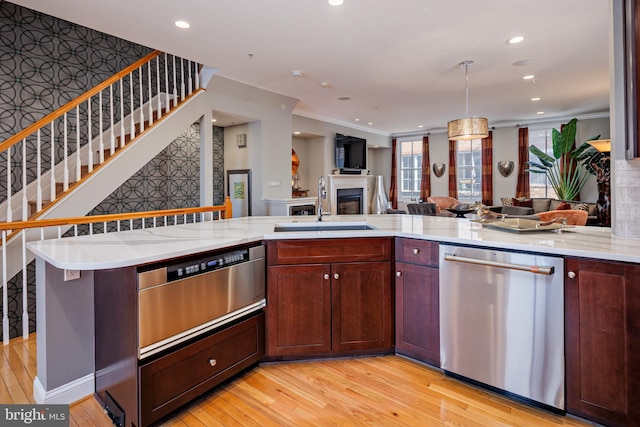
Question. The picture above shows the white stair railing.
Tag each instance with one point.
(50, 156)
(120, 109)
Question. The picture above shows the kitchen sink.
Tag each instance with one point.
(321, 226)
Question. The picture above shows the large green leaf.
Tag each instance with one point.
(563, 141)
(544, 157)
(543, 168)
(568, 170)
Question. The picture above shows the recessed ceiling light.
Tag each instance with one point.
(535, 99)
(528, 77)
(420, 126)
(214, 120)
(296, 73)
(182, 24)
(335, 2)
(296, 132)
(540, 112)
(357, 120)
(516, 39)
(370, 123)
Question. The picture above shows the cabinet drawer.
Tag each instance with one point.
(173, 380)
(417, 251)
(316, 251)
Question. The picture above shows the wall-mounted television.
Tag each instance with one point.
(351, 153)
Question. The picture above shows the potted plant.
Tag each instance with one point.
(567, 170)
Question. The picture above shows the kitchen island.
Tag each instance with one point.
(133, 248)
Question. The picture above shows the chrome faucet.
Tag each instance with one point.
(322, 194)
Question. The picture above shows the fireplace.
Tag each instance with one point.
(357, 196)
(349, 201)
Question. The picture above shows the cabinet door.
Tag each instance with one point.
(417, 313)
(298, 310)
(362, 317)
(602, 328)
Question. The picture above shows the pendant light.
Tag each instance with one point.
(469, 127)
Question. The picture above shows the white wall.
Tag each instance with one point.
(268, 149)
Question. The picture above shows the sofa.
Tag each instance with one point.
(533, 207)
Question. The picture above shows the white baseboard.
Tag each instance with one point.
(65, 394)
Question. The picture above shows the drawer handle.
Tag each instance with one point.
(336, 276)
(416, 251)
(398, 273)
(213, 362)
(326, 276)
(571, 274)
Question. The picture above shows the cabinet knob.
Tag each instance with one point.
(326, 276)
(336, 276)
(416, 251)
(213, 362)
(398, 273)
(571, 275)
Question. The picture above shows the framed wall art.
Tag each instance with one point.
(239, 191)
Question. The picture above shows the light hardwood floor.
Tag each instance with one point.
(372, 391)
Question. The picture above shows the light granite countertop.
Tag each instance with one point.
(127, 248)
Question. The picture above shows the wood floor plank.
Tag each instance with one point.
(10, 379)
(384, 391)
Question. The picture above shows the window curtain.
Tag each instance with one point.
(453, 180)
(425, 182)
(522, 187)
(487, 170)
(393, 190)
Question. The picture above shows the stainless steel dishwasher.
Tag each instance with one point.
(502, 321)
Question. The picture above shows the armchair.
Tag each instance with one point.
(442, 202)
(422, 208)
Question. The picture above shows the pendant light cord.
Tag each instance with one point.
(466, 64)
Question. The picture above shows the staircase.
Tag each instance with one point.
(117, 127)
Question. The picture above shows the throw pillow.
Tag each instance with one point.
(580, 207)
(506, 201)
(541, 204)
(527, 203)
(563, 207)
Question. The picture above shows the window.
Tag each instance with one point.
(469, 170)
(410, 169)
(538, 183)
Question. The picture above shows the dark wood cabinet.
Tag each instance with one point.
(362, 306)
(181, 376)
(602, 332)
(340, 304)
(417, 300)
(298, 309)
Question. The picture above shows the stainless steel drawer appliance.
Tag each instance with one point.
(182, 300)
(502, 321)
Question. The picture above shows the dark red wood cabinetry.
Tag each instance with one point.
(602, 333)
(417, 300)
(328, 297)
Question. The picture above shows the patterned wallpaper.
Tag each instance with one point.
(46, 62)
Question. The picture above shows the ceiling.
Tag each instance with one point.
(396, 62)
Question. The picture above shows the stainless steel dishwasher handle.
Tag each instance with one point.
(536, 269)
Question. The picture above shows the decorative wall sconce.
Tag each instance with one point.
(438, 169)
(505, 167)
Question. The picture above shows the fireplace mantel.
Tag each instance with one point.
(350, 181)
